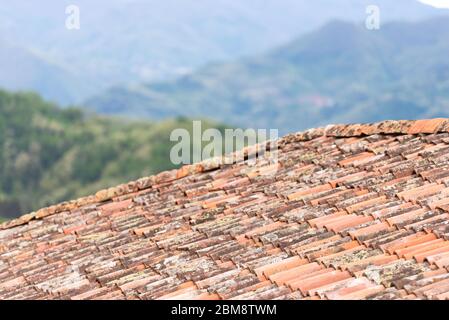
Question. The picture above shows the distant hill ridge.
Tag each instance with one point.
(339, 73)
(132, 41)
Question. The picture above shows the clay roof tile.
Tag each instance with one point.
(354, 211)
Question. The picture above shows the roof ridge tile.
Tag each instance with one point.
(405, 127)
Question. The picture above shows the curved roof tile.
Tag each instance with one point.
(345, 212)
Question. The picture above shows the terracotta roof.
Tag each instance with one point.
(352, 212)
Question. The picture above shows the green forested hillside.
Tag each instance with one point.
(340, 73)
(48, 154)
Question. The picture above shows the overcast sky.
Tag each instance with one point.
(437, 3)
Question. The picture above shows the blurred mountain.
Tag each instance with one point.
(22, 68)
(49, 155)
(340, 73)
(123, 41)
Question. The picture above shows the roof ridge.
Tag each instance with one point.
(425, 126)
